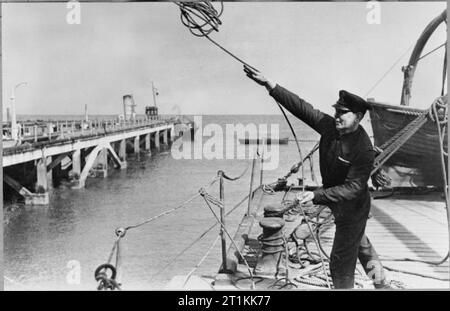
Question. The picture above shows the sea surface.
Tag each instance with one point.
(59, 246)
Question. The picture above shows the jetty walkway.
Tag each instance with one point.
(77, 149)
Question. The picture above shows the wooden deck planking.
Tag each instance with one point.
(411, 227)
(405, 227)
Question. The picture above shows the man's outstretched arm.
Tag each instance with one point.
(316, 119)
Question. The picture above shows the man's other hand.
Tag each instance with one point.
(258, 77)
(305, 197)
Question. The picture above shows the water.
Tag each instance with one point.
(45, 247)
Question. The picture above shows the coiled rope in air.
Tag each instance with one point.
(201, 18)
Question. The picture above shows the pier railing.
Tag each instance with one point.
(33, 134)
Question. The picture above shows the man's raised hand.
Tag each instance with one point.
(259, 78)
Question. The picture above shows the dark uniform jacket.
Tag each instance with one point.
(345, 161)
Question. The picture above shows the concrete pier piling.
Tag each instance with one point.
(85, 151)
(157, 139)
(123, 150)
(136, 145)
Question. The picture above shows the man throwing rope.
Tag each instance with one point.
(346, 160)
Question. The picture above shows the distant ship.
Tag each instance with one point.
(264, 140)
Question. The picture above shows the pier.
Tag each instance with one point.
(49, 151)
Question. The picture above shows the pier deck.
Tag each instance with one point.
(85, 148)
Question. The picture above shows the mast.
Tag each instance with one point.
(408, 71)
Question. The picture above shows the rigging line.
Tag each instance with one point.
(202, 235)
(388, 71)
(111, 254)
(201, 260)
(232, 241)
(444, 72)
(237, 177)
(296, 142)
(433, 50)
(162, 214)
(171, 210)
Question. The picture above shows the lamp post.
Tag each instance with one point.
(155, 93)
(14, 127)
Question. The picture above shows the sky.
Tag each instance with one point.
(313, 49)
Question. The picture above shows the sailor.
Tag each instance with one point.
(346, 160)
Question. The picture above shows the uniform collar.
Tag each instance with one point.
(348, 135)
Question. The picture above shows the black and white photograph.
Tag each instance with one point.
(224, 146)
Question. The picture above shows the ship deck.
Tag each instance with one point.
(400, 226)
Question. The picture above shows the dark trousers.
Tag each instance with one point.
(350, 243)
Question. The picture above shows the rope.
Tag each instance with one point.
(222, 173)
(444, 72)
(437, 263)
(415, 273)
(209, 22)
(315, 242)
(388, 71)
(433, 50)
(201, 260)
(396, 62)
(201, 236)
(232, 241)
(210, 198)
(194, 13)
(110, 283)
(309, 157)
(210, 18)
(171, 210)
(398, 140)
